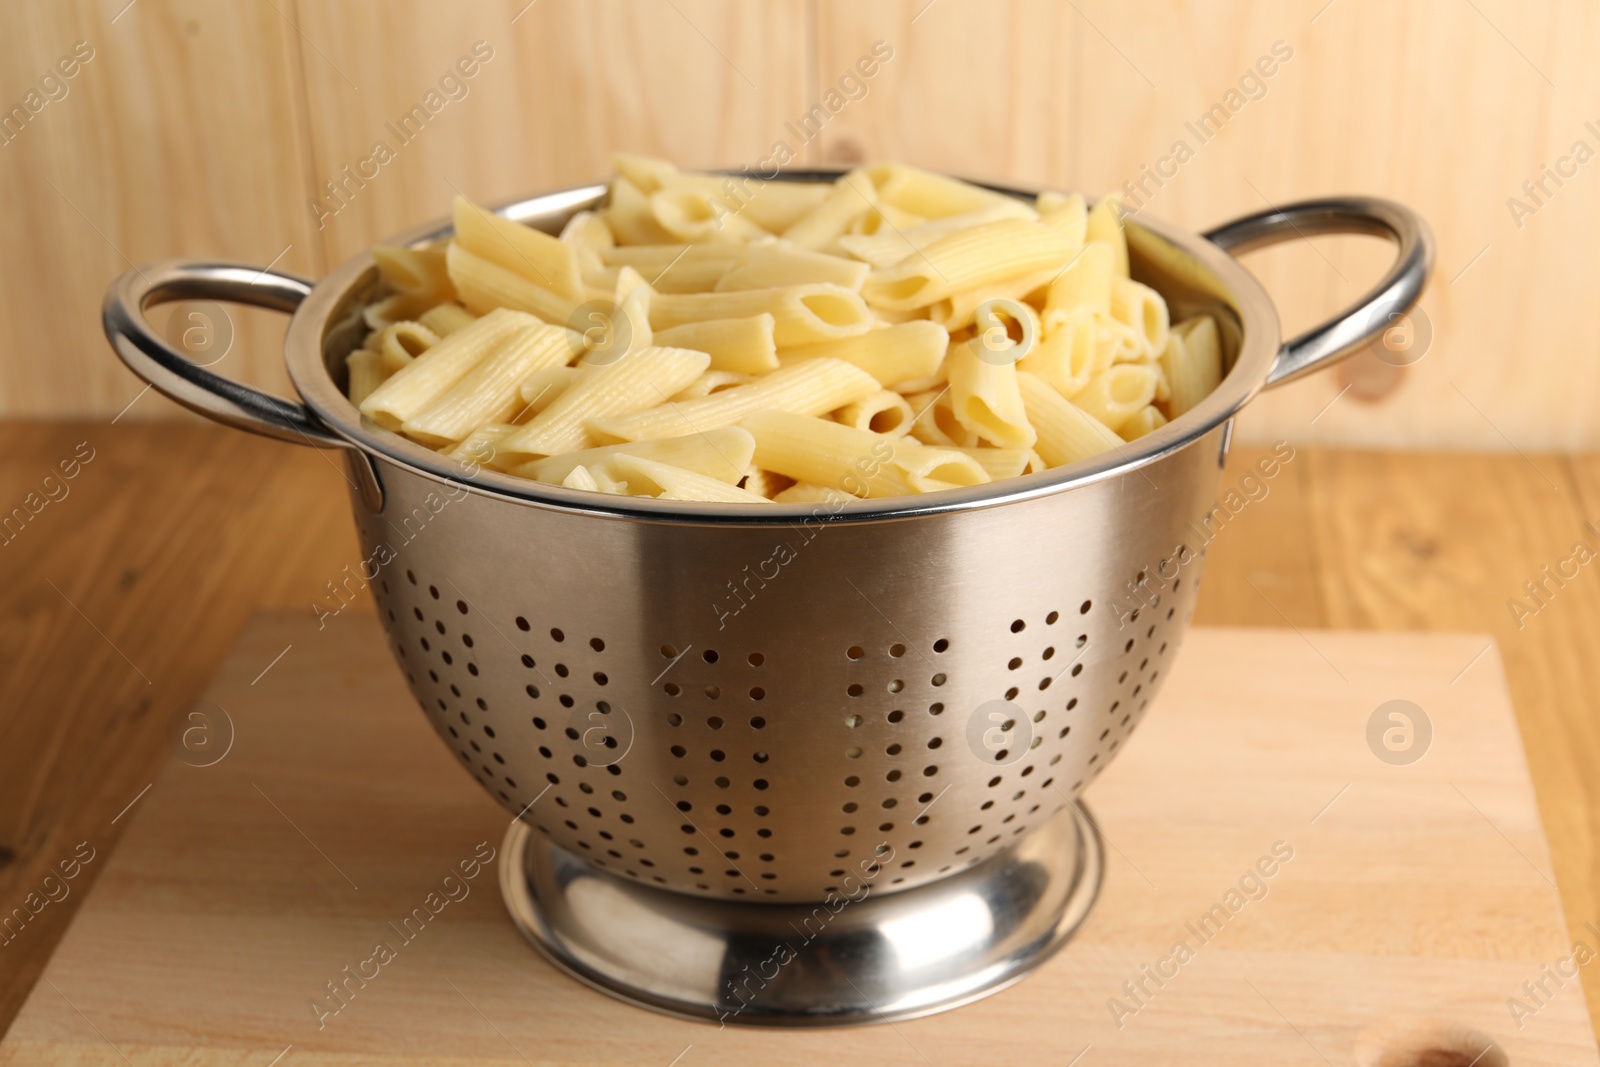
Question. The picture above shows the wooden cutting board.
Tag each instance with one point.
(1417, 902)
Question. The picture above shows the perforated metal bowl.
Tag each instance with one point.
(772, 704)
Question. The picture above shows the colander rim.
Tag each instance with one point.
(307, 334)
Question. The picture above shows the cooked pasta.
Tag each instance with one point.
(730, 340)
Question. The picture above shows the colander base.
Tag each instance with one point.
(863, 958)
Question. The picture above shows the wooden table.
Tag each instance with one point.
(124, 593)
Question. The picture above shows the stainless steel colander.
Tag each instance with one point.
(709, 719)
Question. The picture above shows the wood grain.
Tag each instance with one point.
(179, 138)
(122, 596)
(704, 82)
(1447, 107)
(218, 921)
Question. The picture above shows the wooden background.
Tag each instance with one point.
(202, 128)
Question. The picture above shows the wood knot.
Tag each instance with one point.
(1427, 1043)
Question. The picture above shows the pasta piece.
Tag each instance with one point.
(810, 388)
(1068, 356)
(878, 219)
(744, 346)
(930, 469)
(1000, 463)
(396, 307)
(774, 267)
(416, 272)
(933, 196)
(628, 215)
(1193, 363)
(893, 355)
(647, 173)
(771, 206)
(1145, 420)
(1115, 394)
(693, 216)
(885, 248)
(767, 484)
(984, 399)
(1070, 215)
(588, 235)
(542, 388)
(808, 493)
(481, 447)
(968, 259)
(825, 453)
(637, 380)
(646, 477)
(1066, 432)
(488, 392)
(524, 251)
(955, 312)
(1086, 281)
(365, 373)
(935, 422)
(712, 381)
(884, 412)
(484, 286)
(846, 200)
(412, 388)
(612, 328)
(802, 314)
(724, 453)
(1104, 224)
(677, 268)
(1141, 307)
(582, 478)
(446, 319)
(399, 344)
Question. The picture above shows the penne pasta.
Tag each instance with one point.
(481, 448)
(1066, 433)
(1145, 420)
(1141, 309)
(724, 453)
(484, 285)
(413, 387)
(849, 198)
(638, 476)
(886, 247)
(856, 462)
(810, 388)
(933, 196)
(1000, 463)
(542, 387)
(526, 252)
(636, 381)
(1068, 356)
(415, 272)
(774, 267)
(488, 392)
(712, 381)
(893, 355)
(725, 338)
(1116, 393)
(365, 372)
(884, 412)
(1192, 360)
(744, 346)
(446, 319)
(399, 344)
(802, 314)
(985, 400)
(1104, 224)
(968, 259)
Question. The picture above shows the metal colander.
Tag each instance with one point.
(763, 707)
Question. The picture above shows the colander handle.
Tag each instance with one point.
(1367, 319)
(149, 356)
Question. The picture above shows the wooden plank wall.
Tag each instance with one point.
(203, 128)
